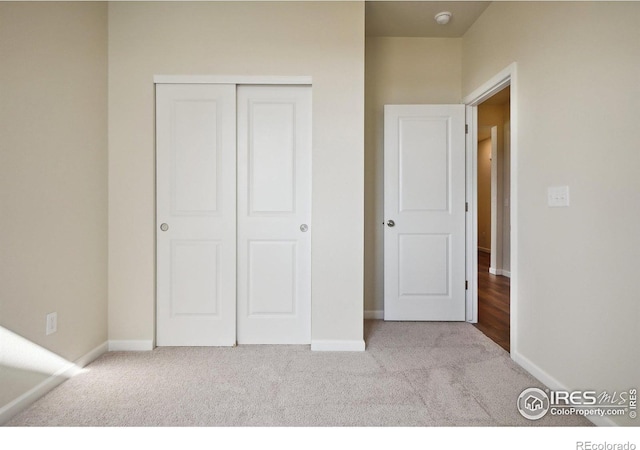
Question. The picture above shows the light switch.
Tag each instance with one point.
(558, 196)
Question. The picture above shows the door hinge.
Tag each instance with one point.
(466, 285)
(466, 206)
(466, 128)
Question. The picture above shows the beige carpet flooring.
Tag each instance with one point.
(411, 374)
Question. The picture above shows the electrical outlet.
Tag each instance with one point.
(558, 196)
(52, 323)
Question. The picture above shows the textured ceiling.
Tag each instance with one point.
(416, 18)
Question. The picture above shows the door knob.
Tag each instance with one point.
(304, 227)
(391, 223)
(164, 227)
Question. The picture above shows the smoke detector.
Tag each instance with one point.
(443, 17)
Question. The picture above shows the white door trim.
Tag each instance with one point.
(494, 85)
(231, 79)
(506, 77)
(472, 213)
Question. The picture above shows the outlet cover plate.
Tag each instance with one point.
(558, 196)
(52, 323)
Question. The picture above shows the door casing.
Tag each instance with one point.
(506, 77)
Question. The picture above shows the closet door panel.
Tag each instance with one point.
(274, 215)
(196, 214)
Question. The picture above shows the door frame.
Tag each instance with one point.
(231, 79)
(237, 80)
(506, 77)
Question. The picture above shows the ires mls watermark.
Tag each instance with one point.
(534, 403)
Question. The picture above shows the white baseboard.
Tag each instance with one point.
(28, 398)
(337, 346)
(131, 346)
(374, 314)
(502, 272)
(92, 355)
(554, 384)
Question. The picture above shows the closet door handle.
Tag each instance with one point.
(164, 227)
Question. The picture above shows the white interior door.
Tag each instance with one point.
(424, 208)
(274, 215)
(196, 214)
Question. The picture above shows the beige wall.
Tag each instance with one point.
(484, 194)
(324, 40)
(398, 70)
(498, 189)
(53, 180)
(506, 188)
(577, 105)
(577, 96)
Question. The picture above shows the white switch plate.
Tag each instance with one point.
(558, 196)
(52, 323)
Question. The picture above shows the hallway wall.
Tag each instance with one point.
(324, 40)
(577, 96)
(398, 71)
(53, 187)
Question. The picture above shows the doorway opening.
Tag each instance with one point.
(493, 212)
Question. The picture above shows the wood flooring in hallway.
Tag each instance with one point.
(493, 303)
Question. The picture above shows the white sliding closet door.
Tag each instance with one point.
(233, 241)
(274, 215)
(196, 214)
